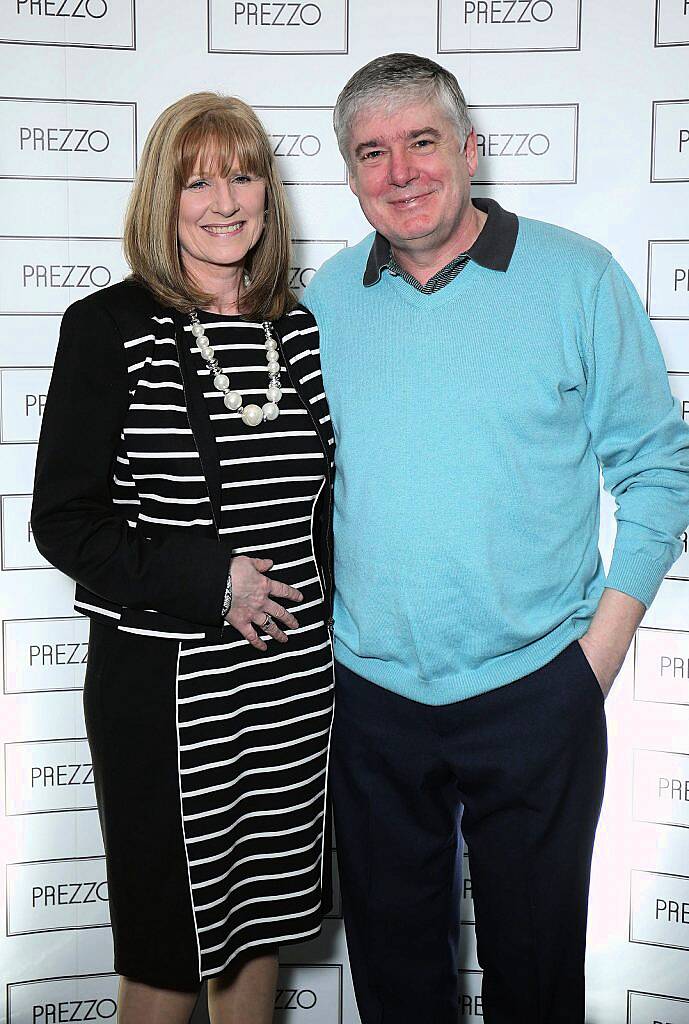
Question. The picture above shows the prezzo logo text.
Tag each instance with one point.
(276, 15)
(65, 275)
(661, 787)
(106, 24)
(63, 8)
(491, 26)
(44, 275)
(49, 775)
(268, 26)
(309, 993)
(466, 906)
(57, 1000)
(529, 144)
(670, 140)
(307, 257)
(23, 391)
(54, 895)
(672, 23)
(470, 998)
(661, 664)
(295, 999)
(45, 654)
(659, 909)
(304, 145)
(679, 385)
(83, 140)
(668, 279)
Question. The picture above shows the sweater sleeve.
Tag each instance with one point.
(74, 522)
(639, 437)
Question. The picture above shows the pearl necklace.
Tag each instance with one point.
(252, 415)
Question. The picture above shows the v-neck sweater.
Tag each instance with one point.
(471, 426)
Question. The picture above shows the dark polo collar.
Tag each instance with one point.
(492, 249)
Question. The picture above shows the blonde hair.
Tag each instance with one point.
(223, 130)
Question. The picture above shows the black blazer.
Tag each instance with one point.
(89, 516)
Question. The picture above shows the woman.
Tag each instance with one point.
(184, 478)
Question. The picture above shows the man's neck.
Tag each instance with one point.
(423, 264)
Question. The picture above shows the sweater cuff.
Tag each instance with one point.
(635, 574)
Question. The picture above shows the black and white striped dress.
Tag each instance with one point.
(210, 757)
(254, 726)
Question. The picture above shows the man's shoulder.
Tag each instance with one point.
(555, 242)
(345, 267)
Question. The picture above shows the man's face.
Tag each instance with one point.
(410, 174)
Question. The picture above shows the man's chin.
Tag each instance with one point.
(407, 237)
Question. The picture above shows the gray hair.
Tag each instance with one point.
(396, 79)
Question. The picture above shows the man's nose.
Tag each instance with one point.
(401, 170)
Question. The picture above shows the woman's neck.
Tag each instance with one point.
(224, 283)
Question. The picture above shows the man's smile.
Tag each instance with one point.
(410, 201)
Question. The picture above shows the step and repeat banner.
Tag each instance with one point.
(582, 114)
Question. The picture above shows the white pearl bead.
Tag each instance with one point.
(196, 330)
(271, 344)
(272, 357)
(221, 382)
(207, 353)
(271, 411)
(273, 394)
(252, 415)
(202, 340)
(233, 401)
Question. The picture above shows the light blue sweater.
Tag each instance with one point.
(470, 427)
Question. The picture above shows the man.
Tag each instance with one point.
(480, 368)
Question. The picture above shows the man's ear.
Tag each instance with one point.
(351, 177)
(471, 153)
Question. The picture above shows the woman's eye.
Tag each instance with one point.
(197, 184)
(242, 179)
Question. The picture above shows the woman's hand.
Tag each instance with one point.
(252, 594)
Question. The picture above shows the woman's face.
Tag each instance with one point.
(220, 219)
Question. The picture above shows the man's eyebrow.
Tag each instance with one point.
(370, 144)
(415, 133)
(423, 131)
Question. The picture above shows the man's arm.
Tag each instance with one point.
(642, 444)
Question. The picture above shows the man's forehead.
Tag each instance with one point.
(398, 123)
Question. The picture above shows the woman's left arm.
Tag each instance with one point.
(74, 522)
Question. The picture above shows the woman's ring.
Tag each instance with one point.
(268, 622)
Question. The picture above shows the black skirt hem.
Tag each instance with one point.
(154, 980)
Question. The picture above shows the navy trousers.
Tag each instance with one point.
(523, 768)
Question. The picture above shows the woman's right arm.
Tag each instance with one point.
(74, 522)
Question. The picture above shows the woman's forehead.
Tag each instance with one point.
(221, 159)
(211, 160)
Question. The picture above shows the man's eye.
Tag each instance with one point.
(422, 143)
(371, 154)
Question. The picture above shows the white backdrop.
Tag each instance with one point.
(582, 109)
